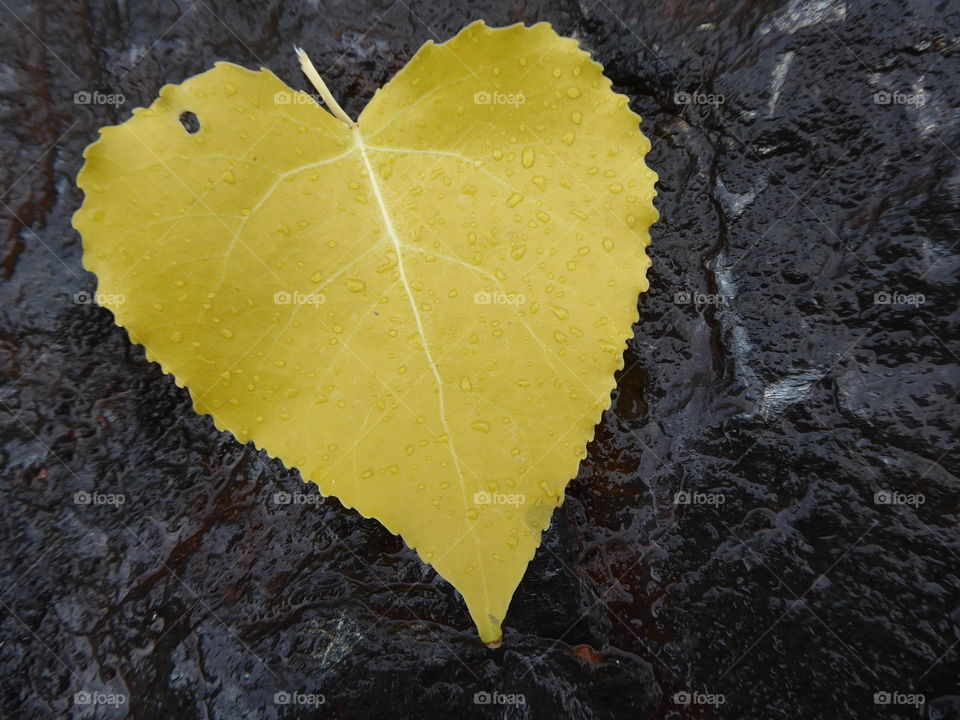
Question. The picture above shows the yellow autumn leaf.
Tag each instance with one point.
(422, 311)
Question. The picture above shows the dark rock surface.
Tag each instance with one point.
(764, 372)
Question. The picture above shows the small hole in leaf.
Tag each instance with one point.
(190, 122)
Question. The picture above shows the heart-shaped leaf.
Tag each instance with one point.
(422, 311)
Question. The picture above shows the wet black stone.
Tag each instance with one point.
(797, 398)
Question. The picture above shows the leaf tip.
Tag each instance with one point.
(491, 633)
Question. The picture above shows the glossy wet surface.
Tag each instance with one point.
(797, 355)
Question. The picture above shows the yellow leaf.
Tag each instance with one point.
(422, 311)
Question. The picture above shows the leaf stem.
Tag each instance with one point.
(311, 72)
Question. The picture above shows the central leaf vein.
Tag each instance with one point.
(398, 247)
